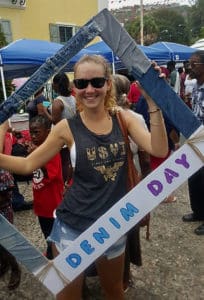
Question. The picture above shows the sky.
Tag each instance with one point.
(120, 3)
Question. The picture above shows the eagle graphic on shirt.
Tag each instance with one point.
(109, 172)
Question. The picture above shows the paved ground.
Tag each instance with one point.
(173, 259)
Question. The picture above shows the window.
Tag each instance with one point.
(62, 33)
(6, 29)
(17, 4)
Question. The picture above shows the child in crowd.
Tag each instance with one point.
(47, 181)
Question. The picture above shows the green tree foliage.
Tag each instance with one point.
(172, 26)
(150, 29)
(202, 32)
(2, 38)
(196, 20)
(180, 24)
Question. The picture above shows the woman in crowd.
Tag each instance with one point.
(63, 106)
(122, 86)
(97, 183)
(141, 160)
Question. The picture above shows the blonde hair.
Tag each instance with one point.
(122, 87)
(100, 60)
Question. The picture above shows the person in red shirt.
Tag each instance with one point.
(47, 182)
(133, 95)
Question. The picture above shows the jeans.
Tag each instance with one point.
(196, 193)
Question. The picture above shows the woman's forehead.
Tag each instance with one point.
(89, 68)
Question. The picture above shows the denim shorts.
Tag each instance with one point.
(62, 235)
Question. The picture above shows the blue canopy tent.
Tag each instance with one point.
(152, 53)
(160, 56)
(23, 57)
(176, 52)
(101, 48)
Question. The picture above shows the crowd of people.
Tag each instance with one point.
(78, 163)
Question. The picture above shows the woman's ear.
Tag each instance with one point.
(109, 84)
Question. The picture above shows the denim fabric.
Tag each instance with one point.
(177, 111)
(140, 67)
(53, 65)
(63, 236)
(19, 247)
(121, 43)
(135, 61)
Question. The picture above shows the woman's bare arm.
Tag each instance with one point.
(3, 129)
(154, 142)
(58, 136)
(57, 108)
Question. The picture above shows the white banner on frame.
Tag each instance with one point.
(128, 212)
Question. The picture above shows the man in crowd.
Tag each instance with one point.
(174, 79)
(196, 181)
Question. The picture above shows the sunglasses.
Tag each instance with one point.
(96, 82)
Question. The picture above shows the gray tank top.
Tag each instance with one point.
(69, 106)
(100, 176)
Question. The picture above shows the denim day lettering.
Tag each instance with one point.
(155, 187)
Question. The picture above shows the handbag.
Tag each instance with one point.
(133, 175)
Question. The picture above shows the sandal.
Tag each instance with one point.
(170, 199)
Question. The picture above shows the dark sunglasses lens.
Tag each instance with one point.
(98, 82)
(81, 83)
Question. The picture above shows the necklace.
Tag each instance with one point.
(104, 126)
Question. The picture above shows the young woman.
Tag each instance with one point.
(63, 107)
(90, 136)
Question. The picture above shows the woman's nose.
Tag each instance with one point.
(90, 87)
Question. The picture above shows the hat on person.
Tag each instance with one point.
(6, 180)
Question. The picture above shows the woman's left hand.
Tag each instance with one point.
(157, 68)
(152, 105)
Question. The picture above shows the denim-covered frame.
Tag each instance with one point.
(109, 29)
(138, 64)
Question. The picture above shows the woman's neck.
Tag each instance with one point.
(95, 114)
(97, 122)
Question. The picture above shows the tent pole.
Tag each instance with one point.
(2, 78)
(113, 63)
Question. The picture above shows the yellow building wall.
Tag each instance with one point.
(33, 21)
